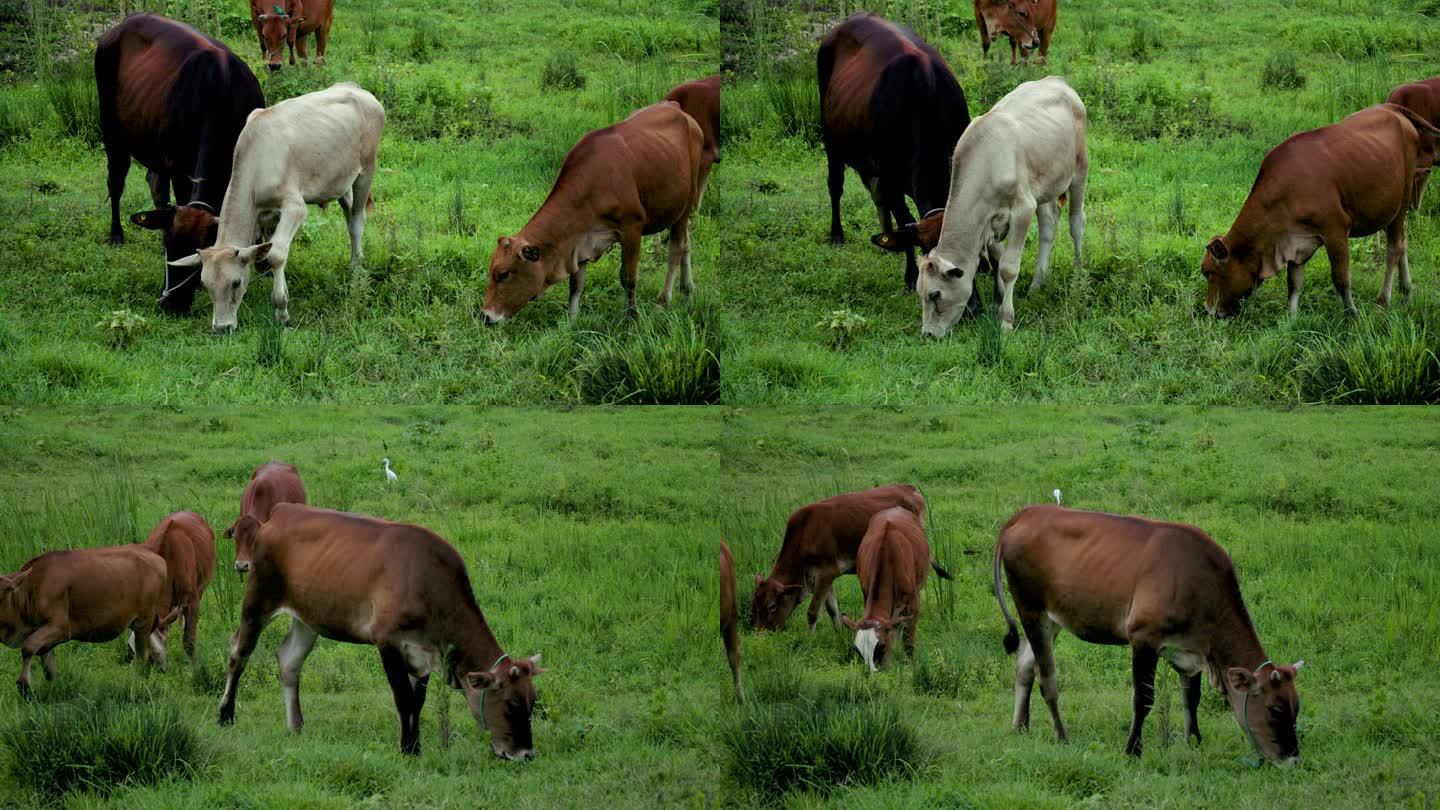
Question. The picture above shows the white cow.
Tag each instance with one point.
(1014, 162)
(311, 149)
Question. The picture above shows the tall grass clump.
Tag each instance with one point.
(71, 94)
(793, 96)
(668, 358)
(562, 72)
(100, 745)
(106, 515)
(1282, 72)
(819, 740)
(20, 114)
(1383, 360)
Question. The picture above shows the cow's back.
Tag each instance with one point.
(312, 146)
(700, 99)
(96, 592)
(1035, 136)
(893, 551)
(834, 527)
(272, 483)
(1423, 97)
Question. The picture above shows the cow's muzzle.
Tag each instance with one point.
(490, 318)
(242, 566)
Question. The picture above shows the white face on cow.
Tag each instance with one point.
(944, 289)
(225, 272)
(871, 646)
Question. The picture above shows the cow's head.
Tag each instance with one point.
(1013, 18)
(243, 532)
(157, 652)
(225, 272)
(519, 272)
(944, 289)
(874, 638)
(185, 229)
(13, 629)
(773, 602)
(502, 698)
(1267, 707)
(1232, 272)
(275, 30)
(924, 234)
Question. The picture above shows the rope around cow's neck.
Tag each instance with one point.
(165, 293)
(483, 722)
(1245, 712)
(933, 211)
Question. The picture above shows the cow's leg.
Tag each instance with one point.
(1009, 269)
(1040, 632)
(1295, 277)
(417, 691)
(1394, 249)
(1337, 247)
(1048, 216)
(397, 671)
(290, 41)
(911, 628)
(1045, 46)
(679, 254)
(159, 188)
(40, 643)
(1143, 658)
(47, 660)
(903, 219)
(303, 46)
(837, 190)
(1014, 50)
(1190, 689)
(1077, 213)
(984, 35)
(687, 277)
(355, 216)
(822, 595)
(882, 212)
(192, 628)
(630, 265)
(1024, 684)
(255, 613)
(322, 38)
(292, 215)
(577, 286)
(291, 656)
(118, 165)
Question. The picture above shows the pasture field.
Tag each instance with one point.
(583, 534)
(483, 100)
(1327, 514)
(1184, 99)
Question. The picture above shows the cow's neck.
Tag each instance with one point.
(553, 233)
(1235, 643)
(236, 226)
(212, 173)
(476, 648)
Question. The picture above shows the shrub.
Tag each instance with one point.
(83, 744)
(668, 358)
(1382, 360)
(1282, 72)
(424, 39)
(124, 327)
(72, 95)
(562, 72)
(1144, 40)
(844, 327)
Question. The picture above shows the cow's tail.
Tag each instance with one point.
(939, 569)
(1420, 123)
(1012, 634)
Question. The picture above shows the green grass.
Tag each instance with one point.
(473, 141)
(1181, 112)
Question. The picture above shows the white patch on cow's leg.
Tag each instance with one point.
(355, 222)
(1405, 285)
(130, 642)
(866, 641)
(672, 264)
(1394, 249)
(1295, 277)
(1024, 684)
(157, 648)
(687, 281)
(832, 606)
(577, 286)
(291, 657)
(1049, 221)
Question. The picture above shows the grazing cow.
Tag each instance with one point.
(700, 99)
(364, 580)
(313, 148)
(890, 109)
(617, 184)
(730, 617)
(1322, 188)
(175, 100)
(892, 563)
(1028, 24)
(1165, 589)
(91, 595)
(1016, 162)
(187, 544)
(271, 484)
(821, 543)
(275, 24)
(1423, 99)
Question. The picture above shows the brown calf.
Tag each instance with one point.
(1322, 188)
(638, 177)
(402, 588)
(1028, 24)
(892, 563)
(187, 544)
(821, 542)
(1423, 99)
(1165, 589)
(730, 617)
(271, 484)
(92, 595)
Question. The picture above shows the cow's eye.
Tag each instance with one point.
(499, 277)
(235, 285)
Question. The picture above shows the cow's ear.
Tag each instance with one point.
(758, 579)
(1240, 680)
(1219, 249)
(791, 589)
(530, 253)
(296, 20)
(894, 241)
(849, 622)
(255, 252)
(157, 220)
(482, 681)
(230, 532)
(262, 17)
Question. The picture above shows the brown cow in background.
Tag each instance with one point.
(271, 484)
(187, 544)
(730, 617)
(1166, 590)
(700, 99)
(1322, 188)
(1027, 23)
(90, 595)
(275, 24)
(1423, 99)
(892, 563)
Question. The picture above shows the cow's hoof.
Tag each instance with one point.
(117, 239)
(227, 718)
(837, 239)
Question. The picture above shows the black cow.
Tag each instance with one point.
(891, 109)
(175, 100)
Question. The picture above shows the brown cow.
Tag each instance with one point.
(1423, 99)
(316, 17)
(1028, 24)
(187, 544)
(700, 99)
(275, 24)
(821, 542)
(1321, 187)
(274, 483)
(893, 560)
(91, 595)
(363, 580)
(730, 617)
(1165, 589)
(617, 184)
